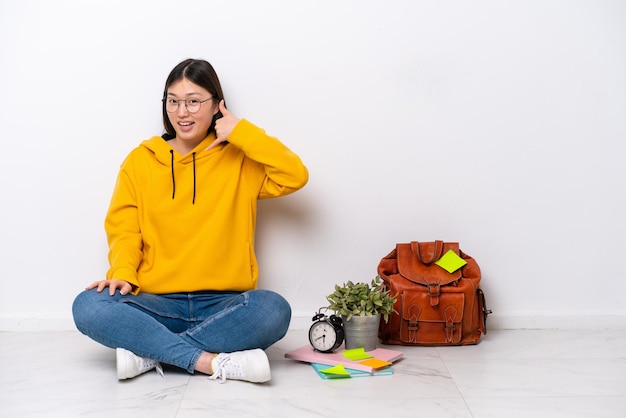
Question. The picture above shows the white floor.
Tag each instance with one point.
(509, 374)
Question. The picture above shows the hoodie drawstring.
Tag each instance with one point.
(173, 178)
(193, 155)
(193, 199)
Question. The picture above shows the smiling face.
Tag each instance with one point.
(191, 128)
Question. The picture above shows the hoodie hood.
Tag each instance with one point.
(161, 150)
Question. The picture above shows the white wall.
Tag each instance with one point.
(497, 124)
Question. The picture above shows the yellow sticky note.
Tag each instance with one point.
(451, 262)
(337, 370)
(375, 363)
(355, 354)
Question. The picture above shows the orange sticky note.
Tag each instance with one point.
(375, 363)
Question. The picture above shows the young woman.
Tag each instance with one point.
(182, 284)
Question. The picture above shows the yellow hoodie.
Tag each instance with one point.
(185, 223)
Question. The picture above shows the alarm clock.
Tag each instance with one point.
(326, 333)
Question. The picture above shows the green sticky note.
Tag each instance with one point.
(451, 262)
(355, 354)
(337, 370)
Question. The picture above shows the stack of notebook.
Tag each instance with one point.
(347, 363)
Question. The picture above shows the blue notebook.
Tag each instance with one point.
(353, 373)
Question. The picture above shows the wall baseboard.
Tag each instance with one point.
(41, 323)
(553, 321)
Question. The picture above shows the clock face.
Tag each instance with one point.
(322, 336)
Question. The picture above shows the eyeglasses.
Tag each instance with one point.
(192, 105)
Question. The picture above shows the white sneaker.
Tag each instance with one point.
(130, 365)
(251, 365)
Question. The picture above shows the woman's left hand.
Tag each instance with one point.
(123, 286)
(223, 126)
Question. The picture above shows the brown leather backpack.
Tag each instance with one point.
(434, 307)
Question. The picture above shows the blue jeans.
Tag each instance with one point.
(176, 328)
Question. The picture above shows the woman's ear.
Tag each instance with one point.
(216, 112)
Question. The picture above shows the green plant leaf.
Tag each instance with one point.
(362, 299)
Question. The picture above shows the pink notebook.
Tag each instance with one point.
(308, 354)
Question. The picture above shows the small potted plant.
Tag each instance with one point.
(361, 306)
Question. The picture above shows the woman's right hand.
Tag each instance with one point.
(123, 286)
(223, 126)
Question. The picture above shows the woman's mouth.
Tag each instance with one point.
(185, 126)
